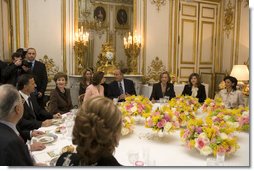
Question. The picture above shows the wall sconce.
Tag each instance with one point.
(80, 49)
(132, 46)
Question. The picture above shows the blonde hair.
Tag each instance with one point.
(97, 129)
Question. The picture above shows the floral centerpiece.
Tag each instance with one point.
(184, 107)
(209, 138)
(211, 105)
(244, 121)
(136, 105)
(238, 118)
(127, 125)
(162, 121)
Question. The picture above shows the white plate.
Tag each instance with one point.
(46, 139)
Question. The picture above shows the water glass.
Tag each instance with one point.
(133, 156)
(210, 161)
(220, 158)
(161, 100)
(115, 101)
(63, 131)
(166, 99)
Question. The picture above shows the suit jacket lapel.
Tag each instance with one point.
(28, 109)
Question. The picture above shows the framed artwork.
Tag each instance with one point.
(122, 18)
(219, 77)
(100, 13)
(207, 78)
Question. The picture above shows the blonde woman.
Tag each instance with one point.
(96, 133)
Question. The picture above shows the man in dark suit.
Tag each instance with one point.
(13, 150)
(121, 87)
(2, 67)
(38, 69)
(34, 116)
(12, 71)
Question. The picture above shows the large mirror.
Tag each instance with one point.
(106, 21)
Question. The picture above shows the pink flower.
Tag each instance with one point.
(149, 122)
(161, 124)
(166, 117)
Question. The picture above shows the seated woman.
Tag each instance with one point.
(163, 88)
(195, 88)
(60, 97)
(231, 97)
(96, 133)
(95, 89)
(86, 80)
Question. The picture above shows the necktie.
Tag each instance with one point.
(30, 103)
(120, 88)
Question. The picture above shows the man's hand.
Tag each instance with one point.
(57, 116)
(36, 133)
(36, 146)
(18, 62)
(46, 123)
(122, 96)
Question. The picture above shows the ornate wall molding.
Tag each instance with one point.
(154, 70)
(228, 18)
(159, 3)
(50, 66)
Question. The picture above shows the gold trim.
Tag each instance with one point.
(207, 16)
(2, 19)
(134, 14)
(64, 34)
(10, 35)
(201, 43)
(17, 22)
(170, 36)
(144, 35)
(176, 45)
(25, 23)
(194, 41)
(188, 5)
(180, 74)
(76, 13)
(239, 5)
(233, 39)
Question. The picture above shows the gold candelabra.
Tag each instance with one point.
(132, 46)
(80, 49)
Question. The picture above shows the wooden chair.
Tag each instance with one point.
(47, 106)
(80, 99)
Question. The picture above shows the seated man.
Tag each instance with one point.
(34, 116)
(121, 87)
(13, 151)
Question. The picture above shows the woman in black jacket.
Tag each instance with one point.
(195, 88)
(163, 88)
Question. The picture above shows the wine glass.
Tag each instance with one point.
(63, 131)
(133, 156)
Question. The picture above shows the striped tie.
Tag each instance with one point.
(120, 88)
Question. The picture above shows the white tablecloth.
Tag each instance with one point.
(165, 151)
(146, 90)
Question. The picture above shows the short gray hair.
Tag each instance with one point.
(9, 97)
